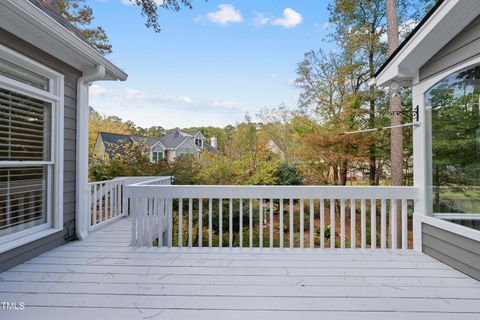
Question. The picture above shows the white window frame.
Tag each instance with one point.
(54, 96)
(422, 135)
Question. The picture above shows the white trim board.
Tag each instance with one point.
(450, 226)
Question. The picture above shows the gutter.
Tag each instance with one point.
(82, 215)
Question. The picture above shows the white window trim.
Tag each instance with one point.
(55, 96)
(422, 159)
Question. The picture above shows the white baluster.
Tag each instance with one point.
(271, 223)
(404, 224)
(393, 223)
(342, 223)
(332, 223)
(220, 223)
(281, 222)
(383, 224)
(190, 222)
(180, 222)
(170, 222)
(353, 224)
(312, 223)
(322, 223)
(302, 224)
(250, 224)
(292, 233)
(210, 222)
(260, 220)
(230, 223)
(373, 223)
(240, 218)
(200, 222)
(363, 220)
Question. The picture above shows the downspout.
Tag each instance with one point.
(81, 212)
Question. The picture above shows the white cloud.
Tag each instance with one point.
(225, 15)
(290, 19)
(260, 19)
(95, 89)
(148, 108)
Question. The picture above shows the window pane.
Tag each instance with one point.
(23, 194)
(455, 145)
(21, 74)
(25, 128)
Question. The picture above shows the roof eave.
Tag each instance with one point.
(28, 22)
(442, 25)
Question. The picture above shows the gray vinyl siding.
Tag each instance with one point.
(464, 46)
(18, 255)
(455, 250)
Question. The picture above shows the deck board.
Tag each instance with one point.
(105, 278)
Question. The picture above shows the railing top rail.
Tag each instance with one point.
(275, 192)
(153, 182)
(132, 180)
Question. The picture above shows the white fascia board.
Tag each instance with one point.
(28, 22)
(199, 135)
(158, 143)
(444, 24)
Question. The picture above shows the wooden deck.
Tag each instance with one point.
(104, 278)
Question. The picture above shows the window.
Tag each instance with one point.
(453, 107)
(199, 143)
(157, 156)
(30, 103)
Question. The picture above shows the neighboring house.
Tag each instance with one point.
(273, 148)
(171, 146)
(45, 71)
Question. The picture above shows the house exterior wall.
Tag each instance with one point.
(99, 149)
(455, 250)
(464, 46)
(187, 147)
(20, 254)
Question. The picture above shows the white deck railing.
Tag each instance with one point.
(107, 202)
(271, 216)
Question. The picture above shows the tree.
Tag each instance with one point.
(81, 16)
(396, 144)
(277, 127)
(359, 27)
(331, 93)
(149, 9)
(288, 175)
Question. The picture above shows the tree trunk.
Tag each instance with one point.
(343, 173)
(396, 144)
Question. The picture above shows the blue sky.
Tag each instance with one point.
(209, 65)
